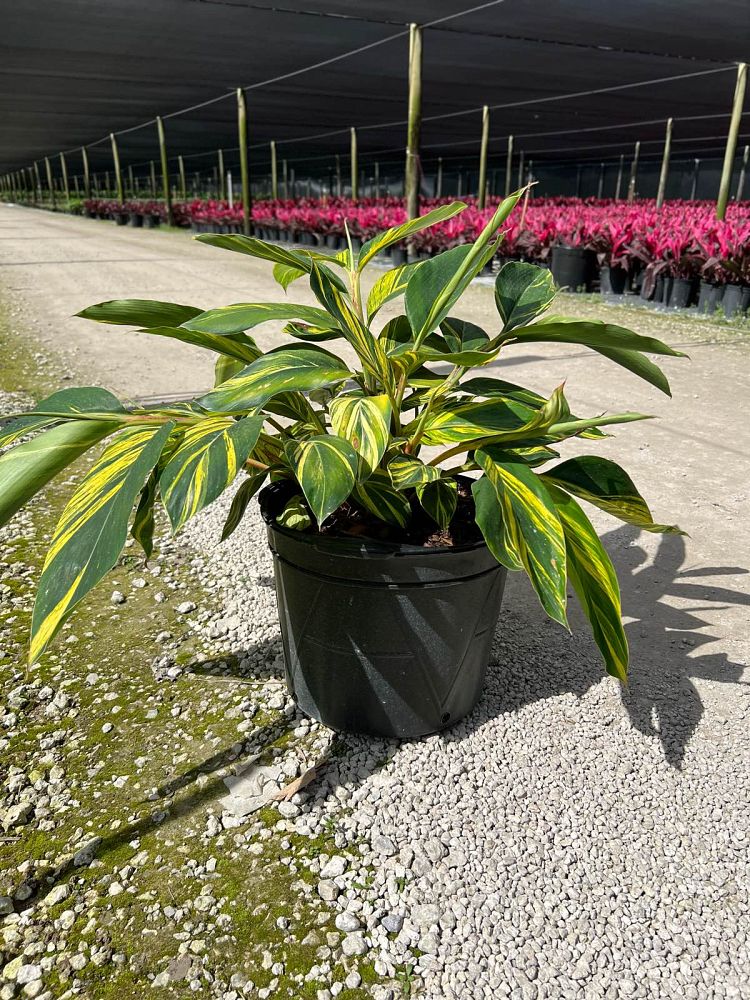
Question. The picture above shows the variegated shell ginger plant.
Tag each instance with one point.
(347, 433)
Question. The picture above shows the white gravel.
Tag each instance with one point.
(566, 840)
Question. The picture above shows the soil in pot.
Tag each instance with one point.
(382, 636)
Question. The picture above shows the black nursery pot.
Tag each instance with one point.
(573, 268)
(379, 638)
(736, 300)
(613, 280)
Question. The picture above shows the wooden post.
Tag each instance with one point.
(459, 185)
(696, 171)
(107, 188)
(66, 185)
(743, 171)
(86, 173)
(75, 186)
(578, 182)
(183, 179)
(285, 179)
(482, 193)
(634, 172)
(439, 179)
(734, 128)
(164, 170)
(274, 172)
(153, 179)
(244, 170)
(520, 170)
(131, 184)
(221, 176)
(118, 172)
(508, 165)
(411, 173)
(50, 185)
(353, 164)
(338, 176)
(38, 181)
(377, 179)
(664, 172)
(600, 187)
(618, 185)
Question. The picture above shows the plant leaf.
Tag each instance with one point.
(89, 399)
(592, 333)
(605, 485)
(142, 528)
(388, 286)
(594, 580)
(241, 499)
(522, 292)
(532, 525)
(285, 274)
(489, 518)
(439, 499)
(379, 496)
(204, 463)
(246, 315)
(140, 312)
(408, 470)
(460, 335)
(397, 233)
(639, 364)
(234, 345)
(299, 367)
(225, 368)
(458, 422)
(93, 528)
(326, 468)
(363, 421)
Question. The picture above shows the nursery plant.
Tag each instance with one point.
(402, 477)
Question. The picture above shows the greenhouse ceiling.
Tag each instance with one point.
(75, 70)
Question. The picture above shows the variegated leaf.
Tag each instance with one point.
(397, 233)
(522, 292)
(66, 403)
(93, 528)
(326, 469)
(247, 315)
(139, 312)
(379, 496)
(439, 499)
(388, 286)
(407, 471)
(226, 368)
(144, 523)
(491, 521)
(299, 367)
(533, 528)
(363, 421)
(241, 499)
(594, 580)
(295, 515)
(205, 462)
(235, 345)
(285, 274)
(459, 422)
(605, 485)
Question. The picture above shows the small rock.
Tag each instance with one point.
(336, 866)
(382, 845)
(161, 980)
(393, 922)
(185, 608)
(328, 890)
(426, 915)
(354, 944)
(139, 583)
(428, 943)
(6, 906)
(115, 889)
(18, 815)
(56, 895)
(67, 918)
(347, 922)
(117, 597)
(28, 973)
(353, 980)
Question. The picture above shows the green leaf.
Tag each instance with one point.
(459, 422)
(532, 525)
(241, 499)
(363, 421)
(25, 469)
(397, 233)
(439, 499)
(379, 496)
(296, 259)
(246, 315)
(285, 274)
(594, 580)
(489, 517)
(408, 470)
(369, 350)
(388, 286)
(605, 485)
(93, 528)
(460, 335)
(205, 462)
(303, 331)
(235, 345)
(86, 400)
(522, 292)
(142, 528)
(437, 284)
(326, 468)
(639, 364)
(300, 367)
(140, 312)
(225, 368)
(295, 515)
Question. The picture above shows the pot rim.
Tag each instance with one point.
(362, 541)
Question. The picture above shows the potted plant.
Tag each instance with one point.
(398, 489)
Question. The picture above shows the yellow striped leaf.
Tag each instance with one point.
(491, 522)
(234, 345)
(205, 462)
(65, 402)
(246, 315)
(397, 233)
(326, 468)
(379, 496)
(363, 421)
(241, 499)
(388, 286)
(300, 367)
(593, 577)
(458, 422)
(92, 529)
(439, 499)
(605, 485)
(407, 471)
(139, 312)
(532, 526)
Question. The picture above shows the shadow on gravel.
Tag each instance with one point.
(260, 662)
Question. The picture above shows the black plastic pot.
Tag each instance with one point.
(680, 293)
(332, 241)
(736, 300)
(151, 221)
(572, 268)
(136, 219)
(398, 256)
(122, 218)
(709, 297)
(613, 280)
(384, 639)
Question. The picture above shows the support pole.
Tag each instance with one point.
(411, 173)
(743, 171)
(439, 180)
(86, 173)
(131, 183)
(153, 179)
(164, 171)
(274, 173)
(696, 171)
(38, 180)
(338, 176)
(285, 179)
(634, 171)
(508, 165)
(734, 128)
(600, 188)
(222, 176)
(66, 184)
(520, 170)
(354, 163)
(50, 185)
(482, 193)
(244, 170)
(377, 179)
(618, 184)
(183, 180)
(118, 172)
(664, 172)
